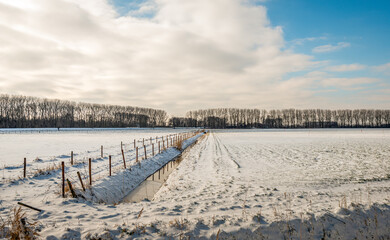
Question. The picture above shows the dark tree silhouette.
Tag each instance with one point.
(32, 112)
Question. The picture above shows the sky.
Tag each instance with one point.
(181, 55)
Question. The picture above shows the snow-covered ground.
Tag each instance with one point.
(43, 147)
(275, 184)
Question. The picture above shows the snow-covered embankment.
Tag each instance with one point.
(113, 189)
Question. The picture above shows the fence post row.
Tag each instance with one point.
(173, 137)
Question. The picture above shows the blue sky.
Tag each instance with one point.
(181, 55)
(365, 24)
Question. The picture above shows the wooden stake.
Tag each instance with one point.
(152, 149)
(90, 171)
(121, 145)
(109, 163)
(136, 154)
(159, 150)
(124, 160)
(134, 143)
(81, 181)
(71, 158)
(146, 157)
(71, 189)
(143, 141)
(63, 179)
(159, 174)
(33, 208)
(24, 167)
(101, 151)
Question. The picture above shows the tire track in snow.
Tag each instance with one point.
(223, 151)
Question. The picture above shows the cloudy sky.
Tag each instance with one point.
(181, 55)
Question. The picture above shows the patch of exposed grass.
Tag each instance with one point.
(18, 227)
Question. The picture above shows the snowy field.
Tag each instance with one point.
(42, 147)
(234, 184)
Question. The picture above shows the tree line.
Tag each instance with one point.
(33, 112)
(285, 118)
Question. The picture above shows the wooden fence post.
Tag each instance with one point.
(109, 163)
(81, 181)
(90, 171)
(101, 151)
(71, 158)
(71, 189)
(124, 160)
(24, 167)
(33, 208)
(146, 157)
(136, 154)
(134, 143)
(152, 149)
(159, 151)
(63, 179)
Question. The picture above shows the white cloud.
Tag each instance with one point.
(301, 41)
(348, 82)
(385, 68)
(187, 55)
(330, 47)
(346, 67)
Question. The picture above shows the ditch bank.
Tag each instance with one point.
(148, 188)
(113, 189)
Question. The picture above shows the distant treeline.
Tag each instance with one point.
(286, 118)
(32, 112)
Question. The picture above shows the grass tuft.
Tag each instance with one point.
(18, 227)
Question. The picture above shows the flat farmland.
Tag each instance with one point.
(258, 184)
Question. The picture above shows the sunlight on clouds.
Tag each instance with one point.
(184, 55)
(385, 68)
(21, 4)
(330, 47)
(346, 67)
